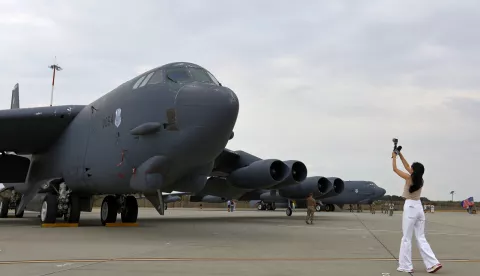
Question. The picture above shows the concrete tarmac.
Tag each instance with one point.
(249, 242)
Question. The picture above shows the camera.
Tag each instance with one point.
(396, 148)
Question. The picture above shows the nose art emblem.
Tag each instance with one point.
(118, 117)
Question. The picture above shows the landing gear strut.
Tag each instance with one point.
(10, 203)
(125, 205)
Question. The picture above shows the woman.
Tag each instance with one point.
(413, 218)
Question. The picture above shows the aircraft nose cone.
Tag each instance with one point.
(208, 106)
(381, 191)
(200, 94)
(206, 115)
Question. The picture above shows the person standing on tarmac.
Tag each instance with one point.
(310, 208)
(413, 220)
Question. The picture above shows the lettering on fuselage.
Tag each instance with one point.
(108, 121)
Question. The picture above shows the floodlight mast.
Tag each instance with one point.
(55, 68)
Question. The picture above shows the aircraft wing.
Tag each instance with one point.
(33, 130)
(225, 163)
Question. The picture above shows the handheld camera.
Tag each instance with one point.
(396, 148)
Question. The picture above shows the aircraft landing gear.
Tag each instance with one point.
(68, 205)
(60, 203)
(329, 207)
(266, 206)
(288, 211)
(10, 203)
(129, 212)
(318, 208)
(4, 203)
(48, 213)
(127, 206)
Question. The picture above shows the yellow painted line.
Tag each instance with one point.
(53, 225)
(220, 259)
(120, 224)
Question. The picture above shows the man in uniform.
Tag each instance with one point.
(311, 203)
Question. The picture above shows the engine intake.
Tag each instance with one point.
(297, 174)
(338, 184)
(259, 174)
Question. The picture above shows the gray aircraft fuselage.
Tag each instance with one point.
(156, 131)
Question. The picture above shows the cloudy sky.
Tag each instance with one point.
(326, 82)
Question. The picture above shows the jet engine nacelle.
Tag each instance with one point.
(337, 187)
(260, 174)
(297, 174)
(338, 184)
(318, 185)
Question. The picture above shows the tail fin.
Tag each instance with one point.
(15, 97)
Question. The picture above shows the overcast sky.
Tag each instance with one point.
(327, 83)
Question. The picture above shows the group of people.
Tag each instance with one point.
(430, 208)
(231, 205)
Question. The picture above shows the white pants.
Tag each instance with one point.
(414, 220)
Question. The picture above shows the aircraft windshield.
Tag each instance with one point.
(190, 74)
(178, 75)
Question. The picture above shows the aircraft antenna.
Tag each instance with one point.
(55, 68)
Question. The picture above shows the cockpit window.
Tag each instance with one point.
(200, 75)
(178, 74)
(214, 79)
(190, 74)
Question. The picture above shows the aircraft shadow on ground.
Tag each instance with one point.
(33, 220)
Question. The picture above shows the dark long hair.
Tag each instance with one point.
(417, 177)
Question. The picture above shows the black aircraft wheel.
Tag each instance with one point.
(108, 212)
(259, 207)
(332, 207)
(20, 215)
(166, 207)
(288, 211)
(318, 208)
(73, 211)
(327, 208)
(48, 213)
(274, 206)
(4, 203)
(130, 213)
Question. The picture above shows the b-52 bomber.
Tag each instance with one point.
(161, 131)
(158, 131)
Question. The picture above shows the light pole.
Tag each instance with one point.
(54, 67)
(452, 192)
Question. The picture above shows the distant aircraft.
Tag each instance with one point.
(158, 132)
(354, 192)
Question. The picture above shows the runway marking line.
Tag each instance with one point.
(219, 259)
(53, 225)
(430, 232)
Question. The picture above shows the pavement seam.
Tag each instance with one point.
(371, 233)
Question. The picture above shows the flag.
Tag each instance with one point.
(467, 202)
